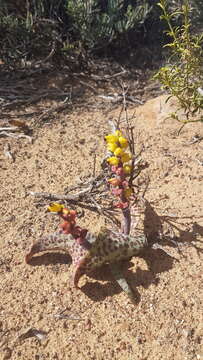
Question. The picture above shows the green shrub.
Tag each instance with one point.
(30, 30)
(98, 27)
(182, 76)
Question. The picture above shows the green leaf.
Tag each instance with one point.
(169, 45)
(161, 6)
(122, 282)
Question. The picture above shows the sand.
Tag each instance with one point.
(100, 322)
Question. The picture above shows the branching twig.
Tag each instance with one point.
(50, 196)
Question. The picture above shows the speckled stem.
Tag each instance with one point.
(108, 247)
(126, 222)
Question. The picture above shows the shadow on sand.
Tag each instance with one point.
(158, 261)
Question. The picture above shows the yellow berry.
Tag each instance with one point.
(112, 146)
(127, 169)
(123, 142)
(113, 160)
(118, 152)
(111, 138)
(125, 157)
(55, 207)
(118, 133)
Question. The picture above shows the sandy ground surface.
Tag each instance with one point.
(100, 321)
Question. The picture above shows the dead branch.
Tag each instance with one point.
(108, 77)
(4, 133)
(9, 128)
(119, 98)
(56, 108)
(50, 196)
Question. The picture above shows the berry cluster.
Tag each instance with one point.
(69, 225)
(120, 167)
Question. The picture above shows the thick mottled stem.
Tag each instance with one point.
(55, 241)
(126, 222)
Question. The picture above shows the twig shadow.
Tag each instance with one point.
(153, 227)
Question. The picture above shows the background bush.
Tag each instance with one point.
(35, 30)
(98, 23)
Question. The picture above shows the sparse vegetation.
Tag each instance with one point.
(33, 31)
(97, 25)
(182, 75)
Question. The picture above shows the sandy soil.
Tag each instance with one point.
(101, 322)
